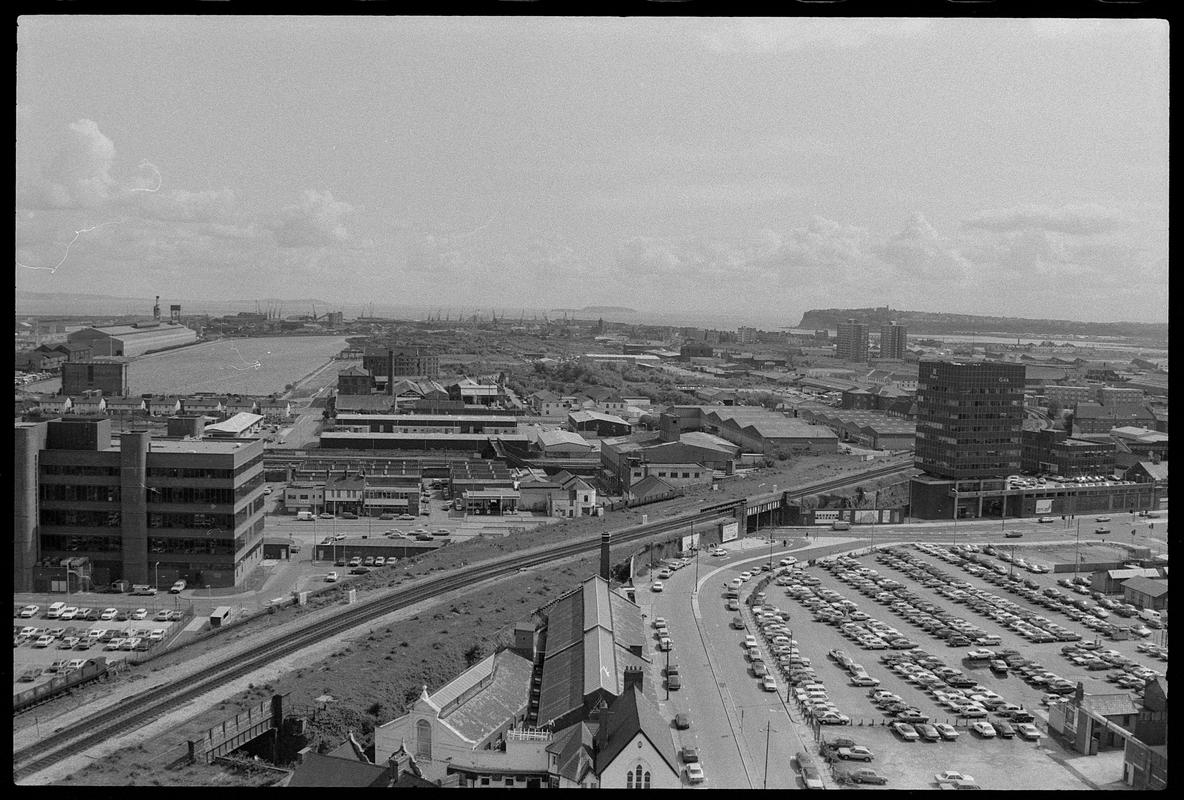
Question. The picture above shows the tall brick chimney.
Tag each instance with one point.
(605, 562)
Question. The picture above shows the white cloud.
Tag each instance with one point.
(316, 221)
(1085, 219)
(774, 35)
(919, 252)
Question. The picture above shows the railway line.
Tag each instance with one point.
(154, 702)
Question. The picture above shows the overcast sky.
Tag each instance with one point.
(975, 166)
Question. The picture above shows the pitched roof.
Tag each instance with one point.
(574, 748)
(650, 484)
(333, 772)
(1147, 586)
(1110, 705)
(628, 715)
(1158, 472)
(479, 701)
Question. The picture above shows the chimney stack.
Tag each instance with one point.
(390, 372)
(633, 677)
(605, 563)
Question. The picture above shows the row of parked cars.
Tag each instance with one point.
(1122, 671)
(1092, 609)
(73, 638)
(693, 766)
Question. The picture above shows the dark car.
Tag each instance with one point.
(689, 755)
(682, 721)
(1013, 535)
(1003, 729)
(673, 682)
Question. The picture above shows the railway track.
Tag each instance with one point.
(154, 702)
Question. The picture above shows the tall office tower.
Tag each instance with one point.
(969, 419)
(852, 341)
(893, 341)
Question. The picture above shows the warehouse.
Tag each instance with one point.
(134, 340)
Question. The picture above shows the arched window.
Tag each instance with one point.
(629, 779)
(637, 777)
(646, 782)
(423, 740)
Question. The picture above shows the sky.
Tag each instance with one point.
(731, 165)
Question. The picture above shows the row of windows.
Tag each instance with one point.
(202, 472)
(94, 544)
(204, 521)
(193, 546)
(79, 469)
(80, 519)
(70, 492)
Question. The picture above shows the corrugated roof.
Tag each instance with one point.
(1110, 705)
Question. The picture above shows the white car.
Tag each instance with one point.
(1027, 730)
(108, 614)
(29, 611)
(140, 613)
(657, 587)
(331, 577)
(695, 773)
(949, 776)
(745, 576)
(665, 644)
(659, 622)
(983, 729)
(768, 684)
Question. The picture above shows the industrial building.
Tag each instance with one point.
(411, 362)
(148, 336)
(144, 510)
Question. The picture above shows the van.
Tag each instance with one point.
(1145, 613)
(840, 525)
(55, 610)
(304, 516)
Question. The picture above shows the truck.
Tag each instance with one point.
(304, 516)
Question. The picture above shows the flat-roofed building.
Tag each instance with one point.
(969, 417)
(851, 341)
(1052, 451)
(108, 375)
(195, 507)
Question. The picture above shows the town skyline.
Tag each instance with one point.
(764, 167)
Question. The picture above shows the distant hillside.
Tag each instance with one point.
(933, 323)
(68, 304)
(596, 310)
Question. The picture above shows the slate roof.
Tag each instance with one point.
(333, 772)
(650, 484)
(479, 701)
(1110, 705)
(1147, 586)
(628, 715)
(573, 747)
(591, 634)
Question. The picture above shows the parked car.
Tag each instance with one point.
(856, 753)
(907, 732)
(866, 776)
(689, 755)
(983, 729)
(682, 721)
(950, 776)
(331, 577)
(656, 587)
(947, 732)
(695, 773)
(178, 587)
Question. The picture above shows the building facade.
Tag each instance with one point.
(969, 419)
(851, 342)
(107, 375)
(148, 511)
(1053, 452)
(893, 341)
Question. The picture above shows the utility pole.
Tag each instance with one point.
(768, 726)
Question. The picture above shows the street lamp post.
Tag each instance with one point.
(156, 584)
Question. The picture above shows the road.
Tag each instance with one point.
(729, 711)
